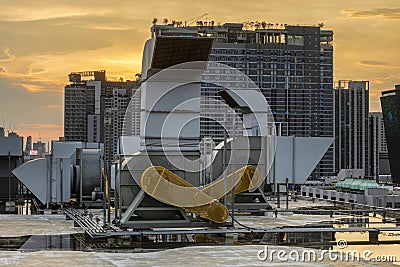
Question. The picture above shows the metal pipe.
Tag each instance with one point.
(109, 177)
(48, 193)
(277, 197)
(233, 170)
(224, 159)
(287, 193)
(9, 176)
(61, 183)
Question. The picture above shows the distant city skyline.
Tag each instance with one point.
(41, 42)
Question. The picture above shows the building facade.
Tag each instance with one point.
(379, 158)
(352, 126)
(94, 109)
(390, 101)
(292, 66)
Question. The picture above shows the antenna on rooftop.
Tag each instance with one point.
(11, 127)
(191, 21)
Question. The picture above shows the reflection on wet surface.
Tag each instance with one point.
(21, 208)
(81, 242)
(45, 236)
(318, 240)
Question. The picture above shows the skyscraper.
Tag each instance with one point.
(82, 106)
(94, 109)
(379, 158)
(390, 101)
(351, 125)
(292, 65)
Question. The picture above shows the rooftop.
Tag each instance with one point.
(247, 32)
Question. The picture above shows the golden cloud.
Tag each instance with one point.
(386, 13)
(376, 64)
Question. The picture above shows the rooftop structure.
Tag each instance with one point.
(11, 156)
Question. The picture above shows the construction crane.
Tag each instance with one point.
(190, 21)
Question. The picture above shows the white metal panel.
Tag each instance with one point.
(129, 145)
(296, 157)
(65, 149)
(147, 56)
(33, 174)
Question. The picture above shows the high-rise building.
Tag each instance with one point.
(94, 109)
(292, 66)
(379, 158)
(82, 107)
(351, 125)
(390, 101)
(116, 102)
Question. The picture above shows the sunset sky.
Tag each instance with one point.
(42, 41)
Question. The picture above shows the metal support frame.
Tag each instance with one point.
(132, 207)
(135, 206)
(246, 206)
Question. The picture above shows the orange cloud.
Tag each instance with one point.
(51, 107)
(386, 13)
(33, 87)
(6, 55)
(49, 12)
(40, 126)
(376, 64)
(30, 83)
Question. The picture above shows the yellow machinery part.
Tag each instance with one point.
(245, 178)
(168, 187)
(155, 181)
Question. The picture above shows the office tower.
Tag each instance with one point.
(94, 109)
(80, 109)
(390, 101)
(379, 158)
(292, 65)
(351, 125)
